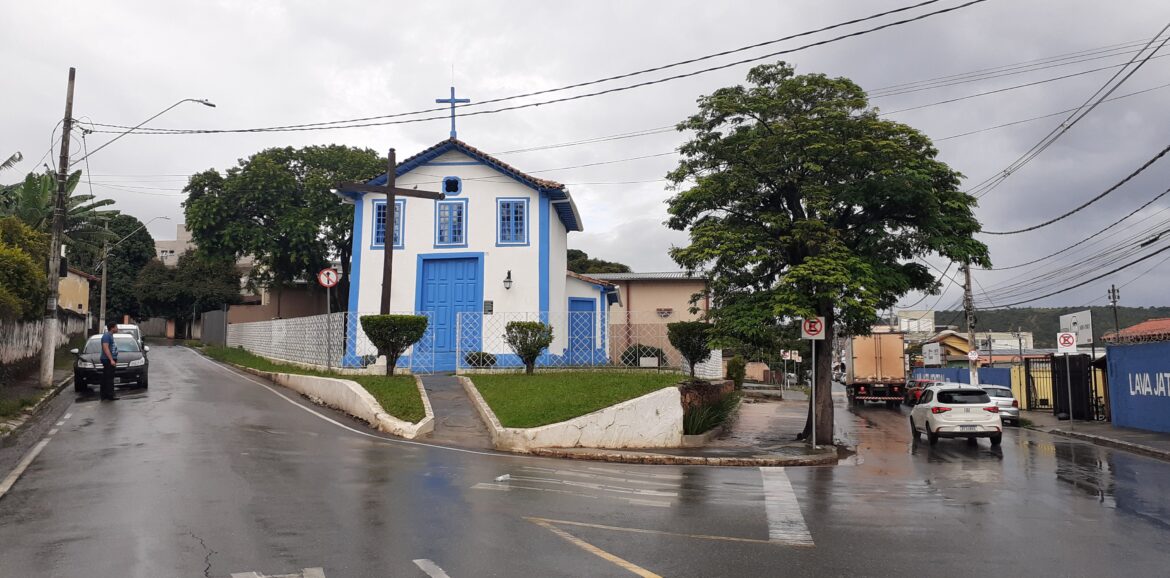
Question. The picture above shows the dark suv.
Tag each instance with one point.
(132, 363)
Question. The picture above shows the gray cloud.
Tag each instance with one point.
(270, 63)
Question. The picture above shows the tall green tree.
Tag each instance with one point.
(32, 202)
(125, 261)
(23, 287)
(198, 283)
(801, 201)
(578, 261)
(276, 207)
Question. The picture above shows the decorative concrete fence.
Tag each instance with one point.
(581, 340)
(334, 341)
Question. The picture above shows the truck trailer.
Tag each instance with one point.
(875, 368)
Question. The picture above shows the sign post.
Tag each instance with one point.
(1066, 343)
(813, 329)
(327, 278)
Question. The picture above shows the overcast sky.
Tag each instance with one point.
(266, 63)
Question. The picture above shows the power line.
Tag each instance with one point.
(1087, 107)
(1035, 118)
(1084, 205)
(1087, 281)
(1086, 239)
(360, 122)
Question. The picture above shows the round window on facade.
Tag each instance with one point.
(452, 185)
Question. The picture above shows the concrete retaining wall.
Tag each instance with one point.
(353, 399)
(653, 420)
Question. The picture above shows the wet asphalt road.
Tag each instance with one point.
(211, 473)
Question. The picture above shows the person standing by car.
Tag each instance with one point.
(109, 359)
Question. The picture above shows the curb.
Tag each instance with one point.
(28, 414)
(1115, 444)
(376, 416)
(824, 459)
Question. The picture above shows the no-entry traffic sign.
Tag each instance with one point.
(328, 277)
(812, 328)
(1066, 342)
(973, 355)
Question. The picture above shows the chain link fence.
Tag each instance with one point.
(581, 340)
(333, 341)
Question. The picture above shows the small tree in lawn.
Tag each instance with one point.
(692, 339)
(528, 339)
(392, 334)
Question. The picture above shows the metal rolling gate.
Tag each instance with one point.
(1038, 380)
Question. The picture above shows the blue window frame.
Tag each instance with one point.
(451, 223)
(379, 241)
(512, 221)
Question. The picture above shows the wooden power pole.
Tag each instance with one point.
(391, 192)
(49, 336)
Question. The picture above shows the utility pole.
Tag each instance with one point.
(1114, 297)
(969, 308)
(391, 191)
(102, 312)
(49, 336)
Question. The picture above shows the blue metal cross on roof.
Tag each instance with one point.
(452, 101)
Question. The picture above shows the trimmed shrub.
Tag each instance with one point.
(392, 334)
(737, 370)
(633, 354)
(479, 359)
(692, 340)
(527, 339)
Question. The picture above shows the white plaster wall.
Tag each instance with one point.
(653, 420)
(558, 262)
(481, 186)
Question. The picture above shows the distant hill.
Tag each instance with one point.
(1044, 322)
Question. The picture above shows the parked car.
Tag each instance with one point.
(1009, 406)
(132, 330)
(133, 367)
(914, 389)
(956, 410)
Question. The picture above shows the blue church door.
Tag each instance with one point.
(582, 331)
(451, 286)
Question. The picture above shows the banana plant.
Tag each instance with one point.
(32, 202)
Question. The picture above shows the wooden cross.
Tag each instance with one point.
(391, 192)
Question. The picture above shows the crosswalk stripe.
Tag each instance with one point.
(785, 522)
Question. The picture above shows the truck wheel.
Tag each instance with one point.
(930, 435)
(996, 439)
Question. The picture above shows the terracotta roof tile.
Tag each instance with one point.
(542, 183)
(1149, 328)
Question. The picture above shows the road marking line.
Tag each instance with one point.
(430, 568)
(66, 416)
(21, 467)
(586, 546)
(579, 474)
(641, 474)
(599, 487)
(785, 522)
(51, 432)
(654, 532)
(509, 487)
(60, 423)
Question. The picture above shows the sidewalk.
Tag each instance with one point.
(456, 421)
(1147, 443)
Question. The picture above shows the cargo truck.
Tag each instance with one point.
(875, 369)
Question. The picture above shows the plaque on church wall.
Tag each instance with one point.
(488, 306)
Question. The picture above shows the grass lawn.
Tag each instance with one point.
(397, 394)
(533, 400)
(11, 407)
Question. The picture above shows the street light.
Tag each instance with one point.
(106, 257)
(202, 101)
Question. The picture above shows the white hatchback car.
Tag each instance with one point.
(956, 410)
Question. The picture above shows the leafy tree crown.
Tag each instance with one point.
(528, 339)
(392, 334)
(692, 339)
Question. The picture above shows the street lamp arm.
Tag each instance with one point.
(202, 101)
